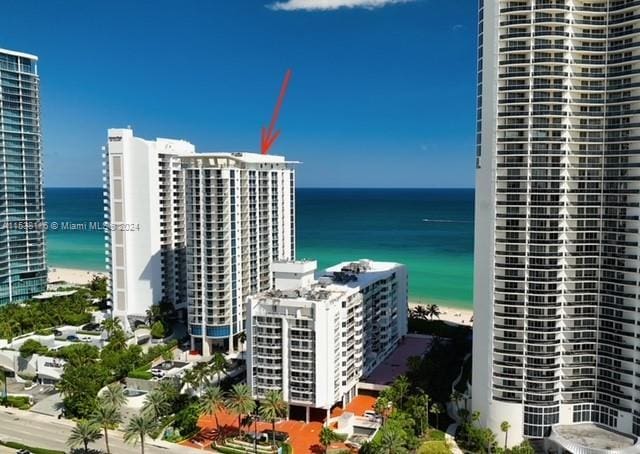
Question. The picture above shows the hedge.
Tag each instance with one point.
(20, 402)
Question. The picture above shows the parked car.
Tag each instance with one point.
(23, 451)
(372, 416)
(91, 327)
(73, 338)
(57, 333)
(279, 436)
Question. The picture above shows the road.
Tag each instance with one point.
(48, 432)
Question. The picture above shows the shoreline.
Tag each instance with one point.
(449, 314)
(448, 311)
(75, 276)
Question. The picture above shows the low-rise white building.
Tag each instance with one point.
(314, 339)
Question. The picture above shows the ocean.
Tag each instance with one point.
(429, 230)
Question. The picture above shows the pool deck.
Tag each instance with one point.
(396, 364)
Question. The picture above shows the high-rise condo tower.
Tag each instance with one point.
(557, 317)
(197, 230)
(23, 269)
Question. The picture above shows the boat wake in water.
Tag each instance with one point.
(452, 221)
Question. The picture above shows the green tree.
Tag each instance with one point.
(138, 429)
(392, 441)
(32, 347)
(327, 436)
(155, 405)
(187, 419)
(197, 376)
(417, 409)
(157, 330)
(218, 365)
(113, 395)
(83, 433)
(419, 312)
(437, 410)
(98, 286)
(400, 388)
(79, 386)
(504, 427)
(455, 397)
(3, 382)
(240, 403)
(112, 325)
(523, 448)
(108, 417)
(433, 310)
(212, 402)
(242, 338)
(273, 407)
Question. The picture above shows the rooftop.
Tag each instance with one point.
(18, 54)
(337, 281)
(594, 437)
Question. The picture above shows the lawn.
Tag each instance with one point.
(14, 445)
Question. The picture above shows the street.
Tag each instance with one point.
(48, 432)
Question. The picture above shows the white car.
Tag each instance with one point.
(372, 416)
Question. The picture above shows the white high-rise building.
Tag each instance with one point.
(316, 339)
(240, 217)
(556, 312)
(198, 230)
(144, 214)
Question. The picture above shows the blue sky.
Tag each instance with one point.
(381, 96)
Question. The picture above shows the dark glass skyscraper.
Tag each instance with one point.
(23, 270)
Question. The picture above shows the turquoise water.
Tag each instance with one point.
(429, 230)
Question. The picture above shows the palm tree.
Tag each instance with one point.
(83, 433)
(391, 442)
(433, 310)
(107, 417)
(139, 427)
(381, 406)
(155, 404)
(455, 397)
(437, 409)
(218, 365)
(419, 312)
(273, 407)
(3, 382)
(242, 338)
(212, 402)
(111, 325)
(113, 395)
(327, 436)
(240, 402)
(401, 386)
(198, 376)
(505, 426)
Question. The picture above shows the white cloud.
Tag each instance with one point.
(327, 5)
(457, 27)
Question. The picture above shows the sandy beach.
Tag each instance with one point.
(72, 275)
(450, 314)
(82, 277)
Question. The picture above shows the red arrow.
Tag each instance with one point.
(268, 136)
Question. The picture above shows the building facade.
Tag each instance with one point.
(556, 321)
(316, 339)
(240, 217)
(23, 270)
(144, 213)
(198, 230)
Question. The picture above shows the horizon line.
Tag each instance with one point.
(305, 187)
